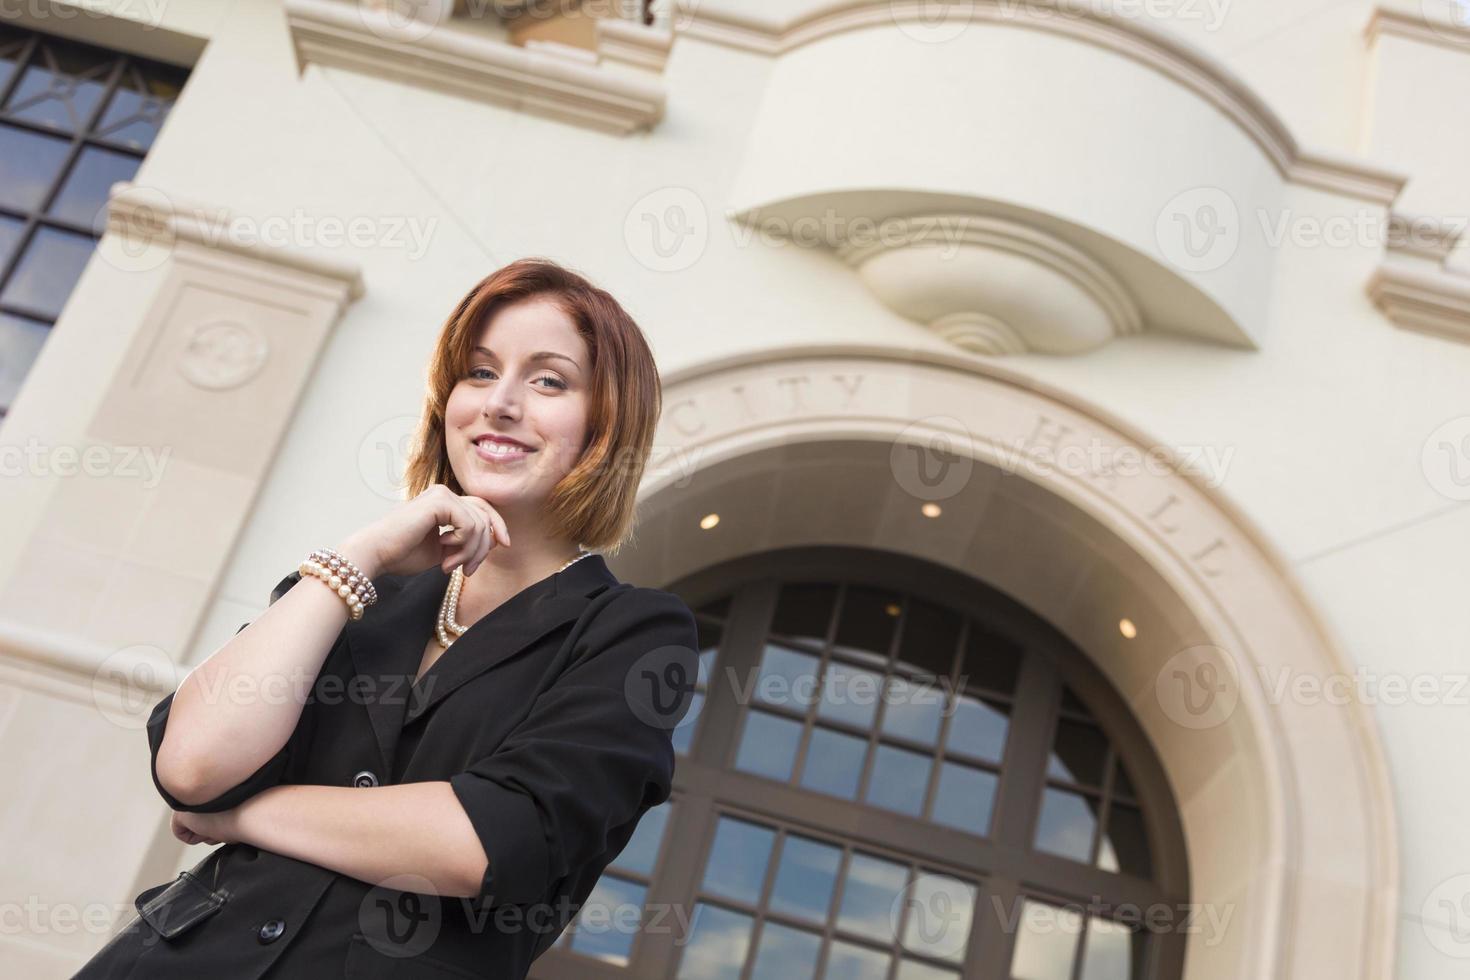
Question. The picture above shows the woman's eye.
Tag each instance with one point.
(477, 372)
(555, 381)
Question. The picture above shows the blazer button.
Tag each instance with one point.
(271, 931)
(365, 778)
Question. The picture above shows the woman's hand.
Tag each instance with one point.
(203, 828)
(406, 540)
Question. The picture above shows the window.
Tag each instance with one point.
(891, 771)
(74, 119)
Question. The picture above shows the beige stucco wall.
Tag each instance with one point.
(1331, 428)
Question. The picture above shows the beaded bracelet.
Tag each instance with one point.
(343, 577)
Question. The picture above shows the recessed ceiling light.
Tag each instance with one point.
(1126, 627)
(931, 510)
(709, 520)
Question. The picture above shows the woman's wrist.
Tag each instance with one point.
(361, 554)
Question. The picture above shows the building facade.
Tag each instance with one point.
(1045, 550)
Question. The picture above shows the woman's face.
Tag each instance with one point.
(516, 422)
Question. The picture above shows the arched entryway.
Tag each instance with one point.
(1120, 545)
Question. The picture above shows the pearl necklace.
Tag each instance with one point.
(449, 608)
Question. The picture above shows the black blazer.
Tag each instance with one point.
(551, 718)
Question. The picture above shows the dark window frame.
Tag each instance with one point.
(114, 67)
(1004, 865)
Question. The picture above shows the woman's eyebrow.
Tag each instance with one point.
(540, 355)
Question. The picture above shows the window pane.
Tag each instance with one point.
(805, 878)
(1125, 846)
(85, 191)
(20, 343)
(61, 87)
(978, 728)
(768, 745)
(718, 942)
(684, 731)
(850, 694)
(869, 617)
(913, 709)
(940, 910)
(1114, 952)
(804, 610)
(965, 798)
(787, 678)
(1067, 825)
(49, 268)
(29, 165)
(1046, 942)
(869, 893)
(931, 636)
(834, 763)
(137, 109)
(848, 961)
(737, 861)
(1078, 753)
(642, 849)
(786, 953)
(610, 920)
(992, 661)
(914, 970)
(10, 232)
(900, 780)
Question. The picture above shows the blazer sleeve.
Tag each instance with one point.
(594, 752)
(269, 774)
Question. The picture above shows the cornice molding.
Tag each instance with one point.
(1181, 62)
(1421, 26)
(634, 44)
(1415, 287)
(1429, 301)
(147, 216)
(993, 285)
(335, 34)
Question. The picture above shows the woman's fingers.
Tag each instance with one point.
(470, 530)
(496, 532)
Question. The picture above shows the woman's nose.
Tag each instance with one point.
(502, 401)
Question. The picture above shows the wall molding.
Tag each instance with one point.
(994, 285)
(1421, 26)
(1181, 62)
(1414, 286)
(483, 68)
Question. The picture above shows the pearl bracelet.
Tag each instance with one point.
(342, 577)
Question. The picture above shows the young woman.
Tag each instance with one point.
(424, 752)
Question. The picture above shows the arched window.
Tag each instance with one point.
(892, 771)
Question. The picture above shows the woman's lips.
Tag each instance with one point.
(510, 455)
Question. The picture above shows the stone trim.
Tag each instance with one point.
(480, 67)
(1181, 62)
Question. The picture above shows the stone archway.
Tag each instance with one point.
(1285, 801)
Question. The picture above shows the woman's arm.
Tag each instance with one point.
(235, 711)
(417, 830)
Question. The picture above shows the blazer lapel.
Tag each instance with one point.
(389, 646)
